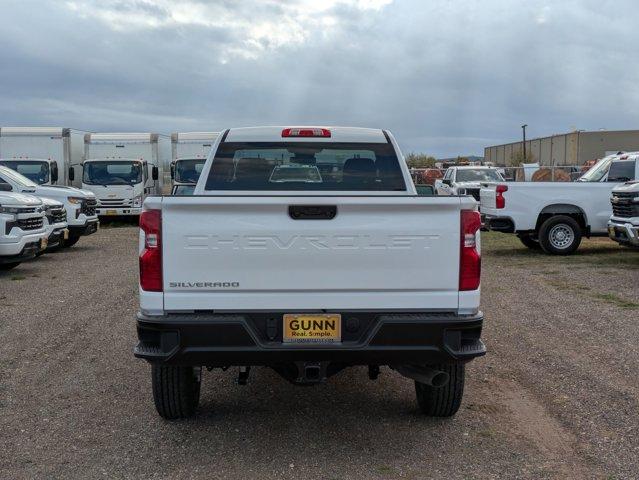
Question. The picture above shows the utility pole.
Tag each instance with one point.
(523, 127)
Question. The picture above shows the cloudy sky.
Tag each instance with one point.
(447, 77)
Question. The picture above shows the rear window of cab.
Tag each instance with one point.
(305, 166)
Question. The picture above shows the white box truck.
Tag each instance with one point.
(123, 168)
(189, 152)
(45, 155)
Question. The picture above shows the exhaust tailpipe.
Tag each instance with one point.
(425, 375)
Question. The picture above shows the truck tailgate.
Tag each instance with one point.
(247, 253)
(487, 197)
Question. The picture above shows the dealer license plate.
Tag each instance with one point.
(111, 212)
(312, 328)
(65, 234)
(43, 243)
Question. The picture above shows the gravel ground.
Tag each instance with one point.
(557, 396)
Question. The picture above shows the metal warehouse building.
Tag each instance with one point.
(573, 148)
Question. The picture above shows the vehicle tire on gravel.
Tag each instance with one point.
(442, 401)
(9, 266)
(560, 235)
(69, 242)
(176, 390)
(529, 241)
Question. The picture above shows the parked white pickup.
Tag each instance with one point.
(623, 226)
(23, 233)
(553, 216)
(466, 180)
(307, 249)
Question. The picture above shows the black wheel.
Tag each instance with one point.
(529, 241)
(560, 235)
(69, 242)
(176, 390)
(9, 266)
(442, 401)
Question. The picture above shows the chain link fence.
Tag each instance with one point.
(522, 173)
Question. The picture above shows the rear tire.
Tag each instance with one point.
(9, 266)
(442, 401)
(176, 390)
(560, 235)
(529, 241)
(69, 242)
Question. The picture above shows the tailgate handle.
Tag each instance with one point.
(312, 212)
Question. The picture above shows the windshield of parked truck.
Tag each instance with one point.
(112, 173)
(188, 170)
(11, 176)
(622, 171)
(37, 171)
(597, 171)
(478, 175)
(296, 173)
(305, 166)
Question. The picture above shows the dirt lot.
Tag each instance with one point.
(556, 397)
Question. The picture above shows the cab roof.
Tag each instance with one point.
(337, 134)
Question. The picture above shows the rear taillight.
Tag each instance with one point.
(306, 132)
(470, 259)
(500, 201)
(151, 255)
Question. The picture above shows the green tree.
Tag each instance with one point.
(420, 160)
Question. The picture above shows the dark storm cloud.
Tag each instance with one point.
(447, 77)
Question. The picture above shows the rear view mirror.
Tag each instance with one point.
(54, 172)
(5, 187)
(172, 170)
(447, 181)
(71, 174)
(154, 173)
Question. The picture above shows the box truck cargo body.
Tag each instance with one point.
(46, 155)
(189, 152)
(123, 168)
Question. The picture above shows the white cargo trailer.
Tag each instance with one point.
(189, 152)
(46, 155)
(123, 168)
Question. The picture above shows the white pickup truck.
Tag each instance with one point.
(554, 216)
(80, 205)
(623, 226)
(23, 233)
(307, 250)
(55, 221)
(466, 180)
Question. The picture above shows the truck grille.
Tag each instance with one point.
(34, 223)
(57, 215)
(88, 207)
(622, 205)
(29, 209)
(115, 202)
